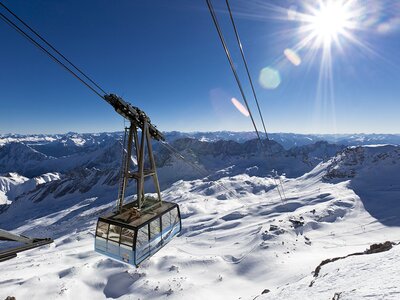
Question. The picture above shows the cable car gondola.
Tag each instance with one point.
(137, 240)
(136, 230)
(121, 235)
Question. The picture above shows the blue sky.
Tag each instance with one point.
(165, 57)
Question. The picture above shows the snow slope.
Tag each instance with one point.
(239, 238)
(373, 276)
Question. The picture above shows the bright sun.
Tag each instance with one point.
(328, 21)
(324, 30)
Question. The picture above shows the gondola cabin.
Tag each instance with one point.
(136, 230)
(133, 242)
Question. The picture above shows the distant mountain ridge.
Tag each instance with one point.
(27, 159)
(68, 143)
(90, 163)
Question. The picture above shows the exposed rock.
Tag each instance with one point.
(336, 296)
(296, 223)
(266, 291)
(374, 248)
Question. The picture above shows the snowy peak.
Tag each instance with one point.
(80, 181)
(10, 187)
(46, 178)
(9, 180)
(357, 160)
(13, 185)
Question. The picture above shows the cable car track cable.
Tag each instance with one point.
(55, 59)
(220, 34)
(228, 55)
(35, 43)
(52, 47)
(246, 66)
(254, 92)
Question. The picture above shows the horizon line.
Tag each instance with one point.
(195, 132)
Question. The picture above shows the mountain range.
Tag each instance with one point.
(261, 218)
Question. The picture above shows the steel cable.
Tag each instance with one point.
(228, 55)
(220, 34)
(35, 43)
(52, 47)
(246, 66)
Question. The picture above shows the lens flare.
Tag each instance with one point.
(292, 56)
(269, 78)
(239, 106)
(329, 21)
(320, 31)
(322, 25)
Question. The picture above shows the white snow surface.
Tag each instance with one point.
(372, 276)
(238, 239)
(13, 185)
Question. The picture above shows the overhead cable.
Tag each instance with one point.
(246, 66)
(212, 12)
(52, 47)
(253, 89)
(228, 56)
(53, 57)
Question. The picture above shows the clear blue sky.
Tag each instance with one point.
(165, 57)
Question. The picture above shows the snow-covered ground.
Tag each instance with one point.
(239, 239)
(12, 185)
(373, 276)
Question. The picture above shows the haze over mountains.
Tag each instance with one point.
(238, 230)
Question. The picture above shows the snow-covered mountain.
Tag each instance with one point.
(27, 159)
(289, 140)
(65, 144)
(13, 185)
(241, 238)
(10, 186)
(97, 166)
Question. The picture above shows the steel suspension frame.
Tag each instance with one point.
(133, 142)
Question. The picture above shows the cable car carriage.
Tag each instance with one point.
(135, 240)
(136, 230)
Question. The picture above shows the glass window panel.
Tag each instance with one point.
(102, 229)
(114, 233)
(127, 236)
(166, 220)
(174, 216)
(155, 228)
(142, 237)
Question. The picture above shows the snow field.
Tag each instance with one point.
(238, 239)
